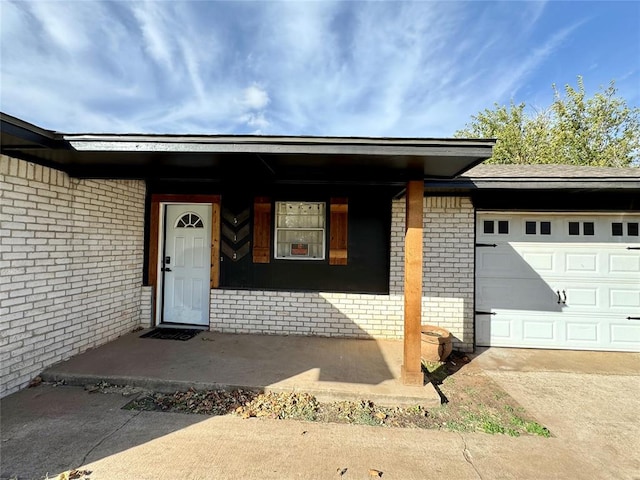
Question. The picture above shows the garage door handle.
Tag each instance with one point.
(633, 318)
(486, 245)
(478, 312)
(633, 248)
(564, 294)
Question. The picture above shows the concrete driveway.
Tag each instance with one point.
(589, 400)
(591, 411)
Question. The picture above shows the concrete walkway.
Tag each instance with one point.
(592, 415)
(329, 368)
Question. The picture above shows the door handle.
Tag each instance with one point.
(559, 300)
(564, 294)
(166, 269)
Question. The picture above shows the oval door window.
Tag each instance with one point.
(189, 220)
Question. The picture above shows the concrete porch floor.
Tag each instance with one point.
(330, 368)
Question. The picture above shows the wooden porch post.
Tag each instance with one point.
(411, 367)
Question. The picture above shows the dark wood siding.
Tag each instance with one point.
(262, 230)
(367, 249)
(338, 231)
(363, 225)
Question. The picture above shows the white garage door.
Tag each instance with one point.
(558, 281)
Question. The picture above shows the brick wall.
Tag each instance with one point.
(306, 313)
(447, 289)
(147, 307)
(448, 272)
(71, 255)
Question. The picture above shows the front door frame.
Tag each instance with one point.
(156, 240)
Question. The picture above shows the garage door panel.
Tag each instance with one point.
(627, 299)
(505, 261)
(517, 294)
(497, 328)
(582, 332)
(573, 288)
(586, 297)
(509, 328)
(540, 262)
(545, 330)
(582, 263)
(599, 298)
(625, 335)
(558, 261)
(625, 264)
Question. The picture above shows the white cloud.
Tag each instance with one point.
(59, 22)
(155, 26)
(320, 68)
(254, 98)
(256, 121)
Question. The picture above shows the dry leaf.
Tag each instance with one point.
(375, 473)
(342, 471)
(76, 474)
(35, 382)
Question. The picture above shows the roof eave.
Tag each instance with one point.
(619, 183)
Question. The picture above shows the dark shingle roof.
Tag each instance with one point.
(549, 172)
(539, 177)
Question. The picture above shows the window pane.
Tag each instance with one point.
(300, 230)
(503, 226)
(189, 220)
(588, 228)
(632, 229)
(545, 228)
(306, 243)
(488, 226)
(574, 228)
(616, 229)
(300, 215)
(530, 228)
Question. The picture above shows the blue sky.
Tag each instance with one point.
(400, 69)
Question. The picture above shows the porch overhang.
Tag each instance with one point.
(277, 159)
(405, 163)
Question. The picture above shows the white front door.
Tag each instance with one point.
(186, 264)
(558, 281)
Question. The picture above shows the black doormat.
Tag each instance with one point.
(172, 333)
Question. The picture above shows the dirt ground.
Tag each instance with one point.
(474, 402)
(471, 402)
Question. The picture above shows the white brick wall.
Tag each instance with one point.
(71, 255)
(447, 289)
(306, 313)
(147, 307)
(448, 272)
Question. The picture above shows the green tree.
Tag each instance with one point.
(600, 131)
